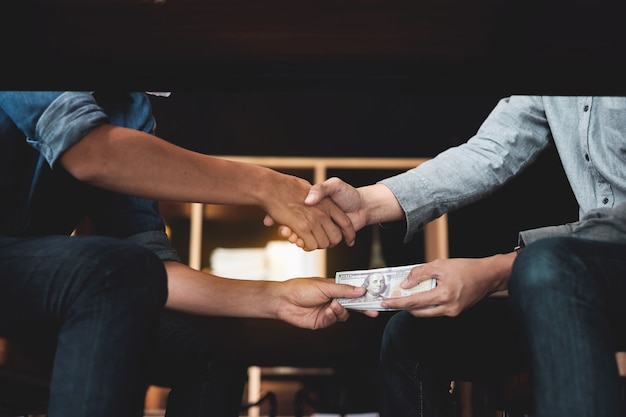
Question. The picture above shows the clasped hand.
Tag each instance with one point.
(343, 204)
(461, 283)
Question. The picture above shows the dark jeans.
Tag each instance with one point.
(567, 293)
(198, 359)
(570, 297)
(420, 357)
(96, 301)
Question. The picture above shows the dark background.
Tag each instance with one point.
(333, 78)
(336, 78)
(389, 124)
(367, 124)
(476, 46)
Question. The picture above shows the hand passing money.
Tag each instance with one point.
(381, 283)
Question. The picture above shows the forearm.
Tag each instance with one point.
(499, 268)
(196, 292)
(380, 204)
(137, 163)
(142, 165)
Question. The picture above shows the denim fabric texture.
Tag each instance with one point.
(421, 356)
(568, 295)
(97, 301)
(566, 304)
(565, 317)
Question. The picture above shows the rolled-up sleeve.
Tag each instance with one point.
(52, 121)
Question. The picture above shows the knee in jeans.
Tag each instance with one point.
(130, 268)
(148, 272)
(540, 265)
(397, 334)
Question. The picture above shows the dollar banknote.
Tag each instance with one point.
(381, 284)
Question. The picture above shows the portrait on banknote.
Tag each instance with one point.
(380, 284)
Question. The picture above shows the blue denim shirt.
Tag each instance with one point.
(40, 196)
(589, 134)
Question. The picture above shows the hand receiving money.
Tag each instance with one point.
(381, 284)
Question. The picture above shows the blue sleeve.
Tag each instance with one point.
(135, 219)
(52, 121)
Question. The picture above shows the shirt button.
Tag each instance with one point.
(586, 108)
(586, 157)
(605, 200)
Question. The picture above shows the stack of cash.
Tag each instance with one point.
(382, 283)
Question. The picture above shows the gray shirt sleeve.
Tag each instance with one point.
(508, 141)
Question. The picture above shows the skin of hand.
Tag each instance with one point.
(363, 206)
(461, 283)
(143, 165)
(303, 302)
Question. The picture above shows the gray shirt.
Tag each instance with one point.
(589, 134)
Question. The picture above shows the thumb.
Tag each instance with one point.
(347, 291)
(315, 195)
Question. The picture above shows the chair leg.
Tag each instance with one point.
(270, 397)
(303, 398)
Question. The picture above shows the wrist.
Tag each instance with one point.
(501, 267)
(379, 204)
(269, 299)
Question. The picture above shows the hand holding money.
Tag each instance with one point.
(381, 284)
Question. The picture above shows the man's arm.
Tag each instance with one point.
(461, 283)
(140, 164)
(365, 205)
(307, 303)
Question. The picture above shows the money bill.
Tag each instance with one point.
(381, 284)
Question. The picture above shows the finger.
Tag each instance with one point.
(326, 231)
(311, 229)
(415, 301)
(343, 222)
(285, 232)
(338, 311)
(268, 221)
(369, 313)
(320, 236)
(417, 275)
(430, 311)
(310, 238)
(315, 195)
(332, 233)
